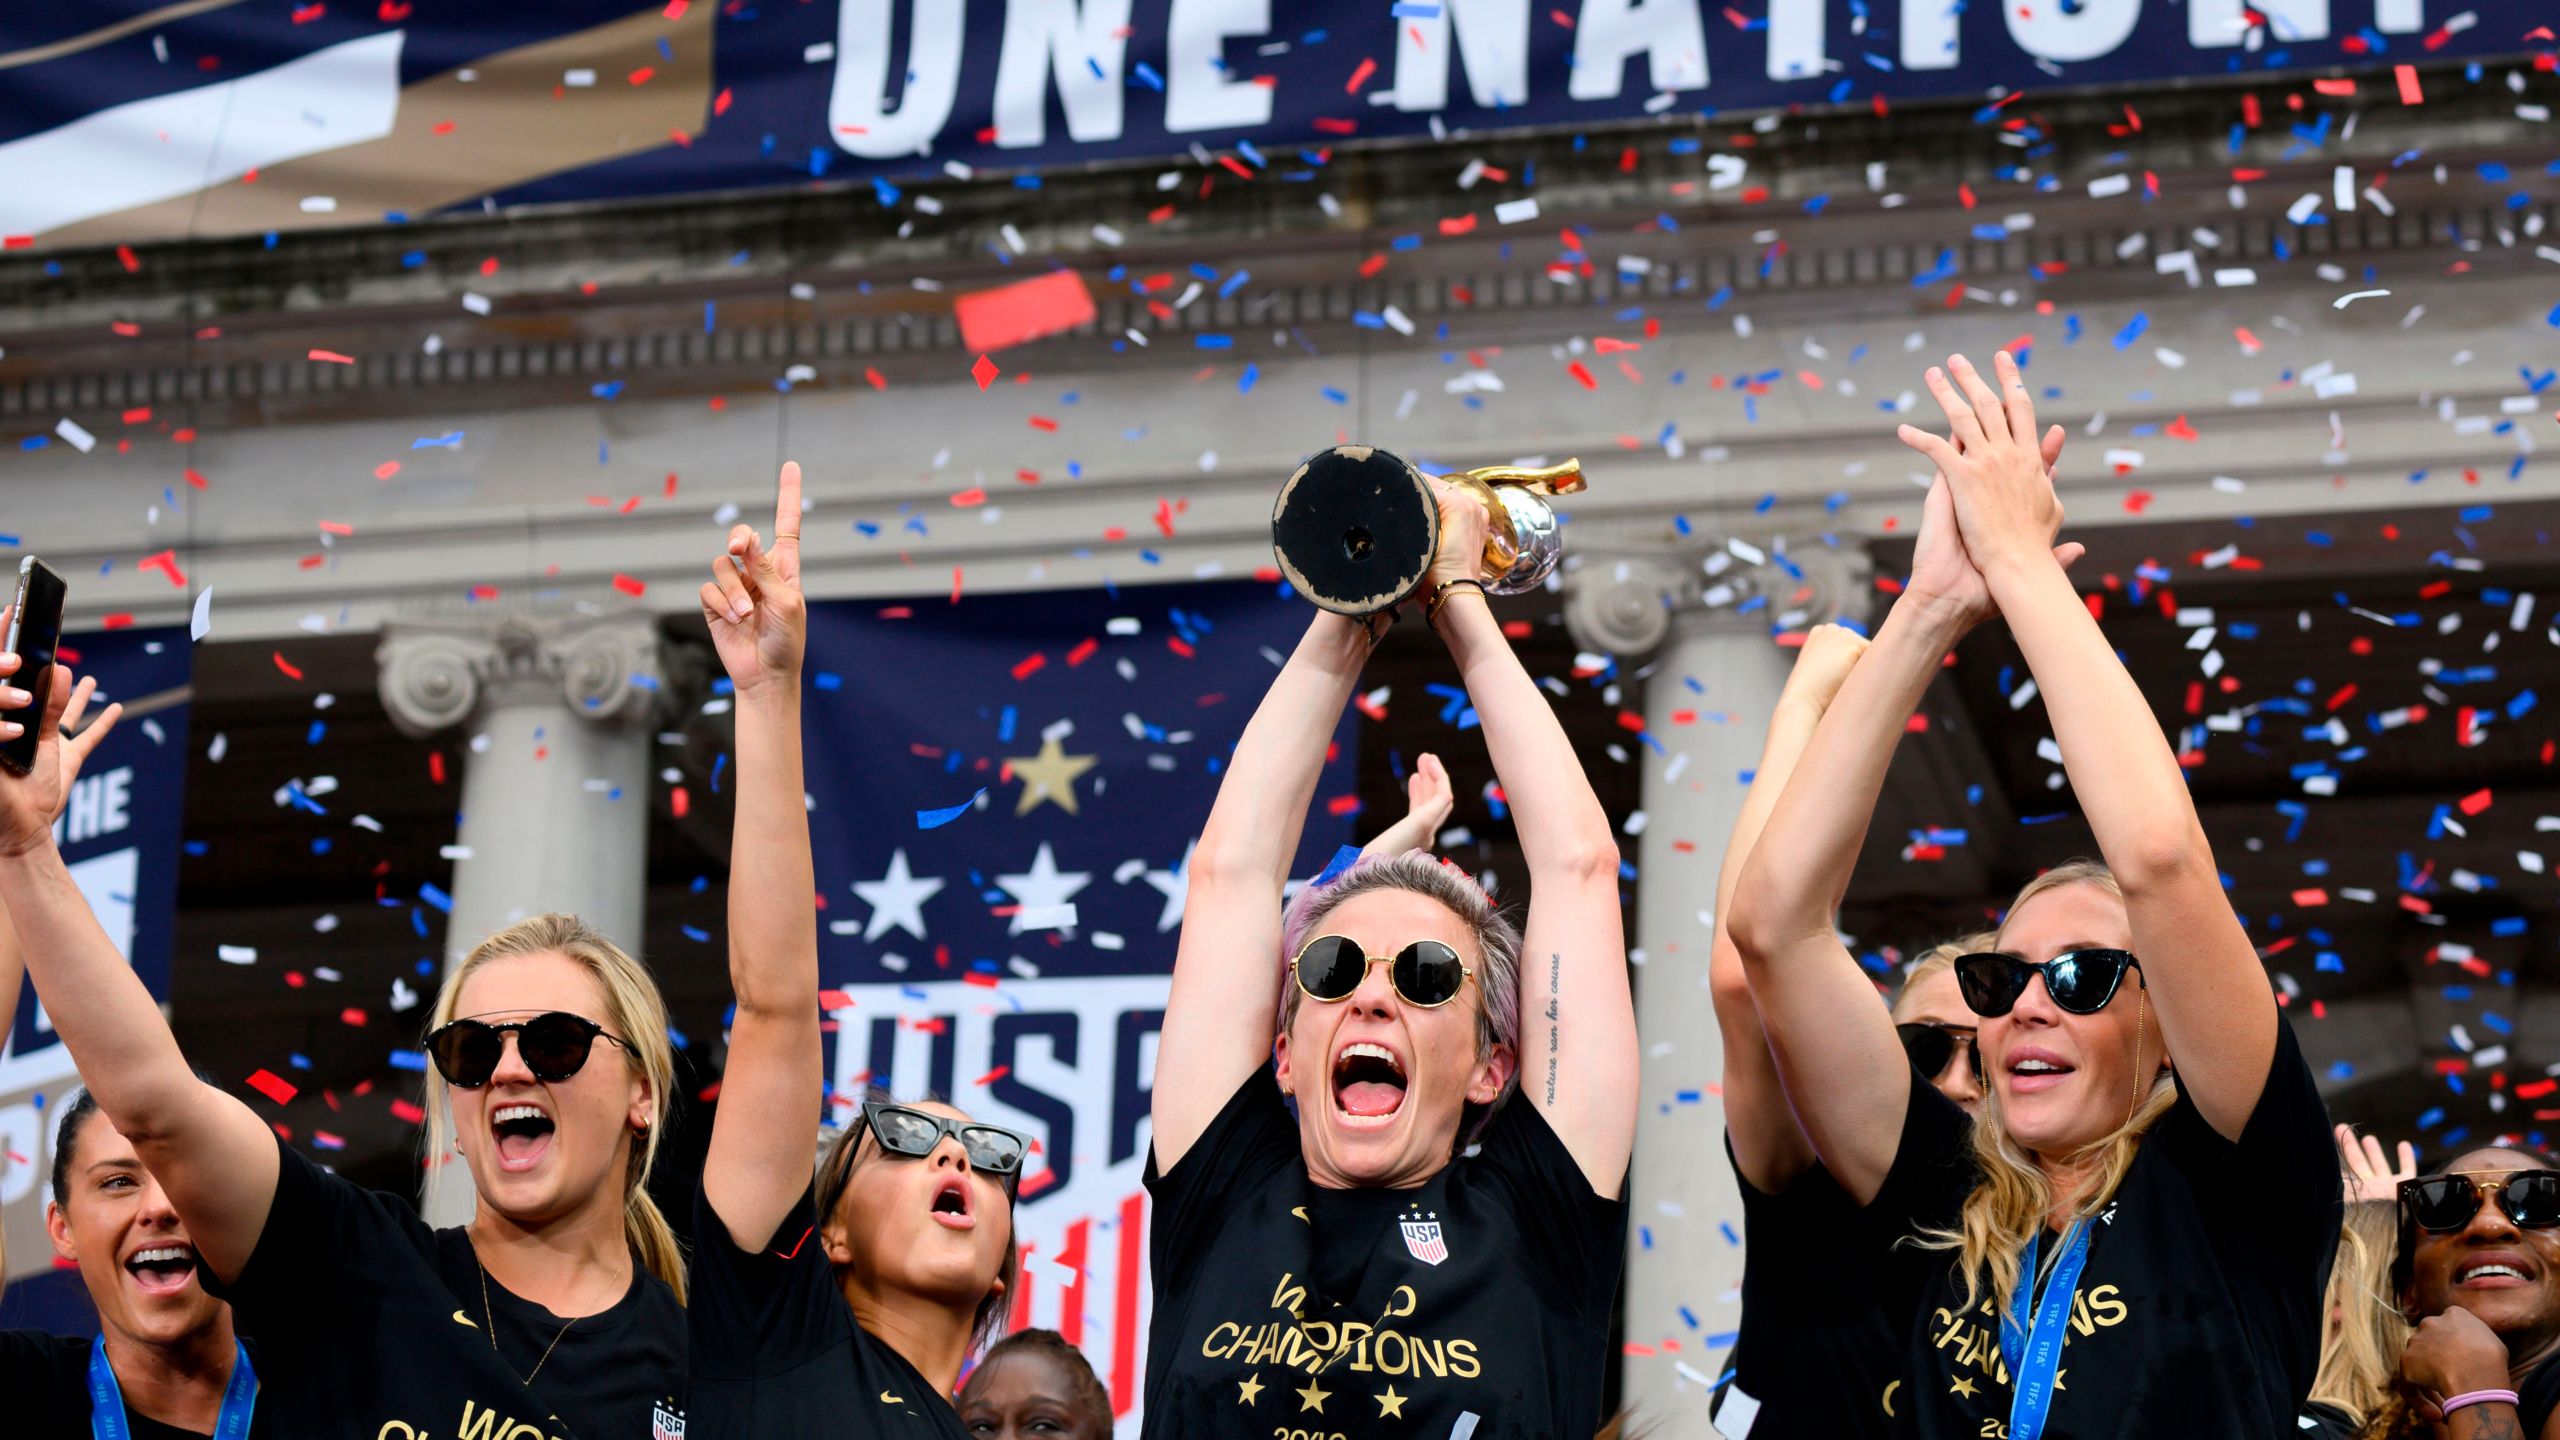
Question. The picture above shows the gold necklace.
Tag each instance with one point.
(491, 1316)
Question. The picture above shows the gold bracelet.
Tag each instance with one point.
(1440, 597)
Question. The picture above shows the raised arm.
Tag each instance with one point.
(772, 1090)
(1578, 1061)
(1767, 1144)
(1428, 801)
(76, 748)
(1225, 1006)
(2217, 1012)
(214, 1157)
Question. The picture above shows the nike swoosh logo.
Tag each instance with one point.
(888, 1399)
(461, 1319)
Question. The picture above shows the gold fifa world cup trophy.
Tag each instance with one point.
(1355, 527)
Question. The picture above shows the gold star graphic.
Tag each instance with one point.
(1961, 1386)
(1390, 1403)
(1049, 775)
(1249, 1390)
(1312, 1398)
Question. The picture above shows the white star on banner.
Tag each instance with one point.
(1175, 886)
(897, 898)
(1043, 888)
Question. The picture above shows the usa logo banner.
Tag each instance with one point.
(1424, 1239)
(1006, 795)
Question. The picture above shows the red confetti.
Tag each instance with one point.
(2410, 94)
(1024, 311)
(629, 585)
(287, 666)
(275, 1087)
(1360, 76)
(985, 373)
(1029, 666)
(332, 357)
(1582, 375)
(2474, 803)
(166, 562)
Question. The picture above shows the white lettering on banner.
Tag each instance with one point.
(1929, 34)
(2053, 32)
(1070, 1063)
(1083, 44)
(857, 110)
(1493, 43)
(1612, 31)
(1795, 41)
(2213, 24)
(100, 805)
(1198, 93)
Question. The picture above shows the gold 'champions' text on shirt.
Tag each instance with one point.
(1360, 1347)
(1974, 1338)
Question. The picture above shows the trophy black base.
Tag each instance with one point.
(1355, 530)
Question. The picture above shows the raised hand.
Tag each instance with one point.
(758, 618)
(59, 753)
(2001, 481)
(1429, 799)
(1822, 665)
(1462, 536)
(2369, 1175)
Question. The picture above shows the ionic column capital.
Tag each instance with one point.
(1627, 597)
(438, 671)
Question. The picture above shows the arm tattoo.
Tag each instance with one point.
(2498, 1423)
(1555, 992)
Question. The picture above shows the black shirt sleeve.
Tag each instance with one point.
(751, 1316)
(2539, 1395)
(44, 1384)
(1933, 1171)
(1252, 1142)
(1574, 1233)
(2275, 1191)
(323, 1238)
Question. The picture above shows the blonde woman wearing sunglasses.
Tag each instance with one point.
(2150, 1178)
(1327, 1261)
(844, 1303)
(554, 1311)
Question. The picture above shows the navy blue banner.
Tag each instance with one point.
(1006, 794)
(120, 834)
(119, 114)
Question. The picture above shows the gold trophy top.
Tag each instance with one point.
(1501, 540)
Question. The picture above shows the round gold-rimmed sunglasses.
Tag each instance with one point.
(1427, 973)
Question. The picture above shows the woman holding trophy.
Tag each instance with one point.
(1360, 1228)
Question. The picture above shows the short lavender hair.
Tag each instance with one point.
(1496, 962)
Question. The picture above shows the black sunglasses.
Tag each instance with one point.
(2080, 981)
(1425, 973)
(913, 1134)
(1931, 1045)
(554, 1046)
(2441, 1204)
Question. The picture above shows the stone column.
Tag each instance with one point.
(555, 810)
(1701, 622)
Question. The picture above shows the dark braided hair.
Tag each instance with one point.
(1089, 1396)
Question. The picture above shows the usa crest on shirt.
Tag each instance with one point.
(1424, 1239)
(665, 1424)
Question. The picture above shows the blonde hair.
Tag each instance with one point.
(634, 1011)
(2358, 1362)
(2010, 1201)
(1940, 957)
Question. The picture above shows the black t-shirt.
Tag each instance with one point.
(1285, 1308)
(2321, 1420)
(44, 1392)
(368, 1321)
(775, 1350)
(2200, 1311)
(1818, 1346)
(2539, 1395)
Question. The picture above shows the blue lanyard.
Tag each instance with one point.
(2034, 1351)
(106, 1398)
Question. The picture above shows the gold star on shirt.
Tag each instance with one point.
(1299, 1211)
(1248, 1390)
(1390, 1403)
(1312, 1398)
(1961, 1386)
(1049, 775)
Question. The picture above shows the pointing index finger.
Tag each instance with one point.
(786, 505)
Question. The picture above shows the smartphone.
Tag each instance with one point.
(35, 632)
